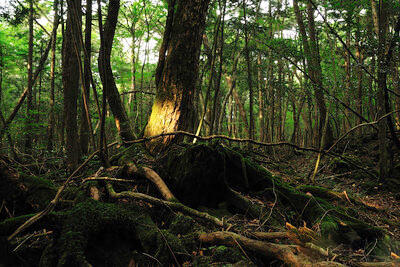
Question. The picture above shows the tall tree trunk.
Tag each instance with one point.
(316, 65)
(29, 107)
(84, 127)
(348, 91)
(249, 76)
(396, 85)
(50, 128)
(178, 71)
(360, 94)
(70, 79)
(216, 106)
(260, 99)
(382, 126)
(107, 78)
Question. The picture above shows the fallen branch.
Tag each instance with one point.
(176, 206)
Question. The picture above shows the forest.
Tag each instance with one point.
(200, 133)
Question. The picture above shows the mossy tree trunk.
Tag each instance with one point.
(177, 70)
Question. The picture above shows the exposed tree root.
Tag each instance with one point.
(152, 176)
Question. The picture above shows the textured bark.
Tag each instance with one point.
(177, 76)
(249, 76)
(382, 126)
(29, 107)
(346, 121)
(84, 127)
(50, 127)
(106, 75)
(316, 65)
(70, 77)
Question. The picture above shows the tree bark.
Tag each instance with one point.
(382, 126)
(249, 76)
(84, 127)
(70, 77)
(29, 107)
(107, 78)
(177, 71)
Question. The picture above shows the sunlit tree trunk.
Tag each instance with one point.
(177, 71)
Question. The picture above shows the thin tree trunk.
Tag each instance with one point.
(316, 65)
(28, 126)
(212, 70)
(50, 128)
(348, 90)
(249, 76)
(84, 127)
(107, 78)
(70, 77)
(382, 126)
(214, 122)
(242, 111)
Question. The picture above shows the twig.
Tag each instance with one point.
(106, 179)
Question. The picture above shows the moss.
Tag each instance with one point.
(227, 254)
(181, 224)
(40, 191)
(91, 230)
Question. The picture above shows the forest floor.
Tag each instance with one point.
(346, 218)
(347, 180)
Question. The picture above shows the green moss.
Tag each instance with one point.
(181, 224)
(90, 225)
(40, 191)
(227, 254)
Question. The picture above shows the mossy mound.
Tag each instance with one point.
(199, 174)
(107, 234)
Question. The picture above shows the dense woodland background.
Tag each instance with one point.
(279, 78)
